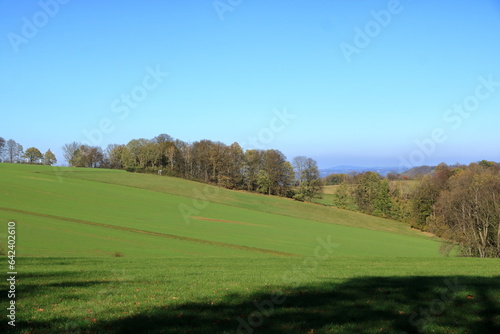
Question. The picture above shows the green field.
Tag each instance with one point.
(106, 251)
(327, 197)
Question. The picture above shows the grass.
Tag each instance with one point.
(104, 251)
(199, 295)
(134, 213)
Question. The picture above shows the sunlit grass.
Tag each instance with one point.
(207, 272)
(341, 294)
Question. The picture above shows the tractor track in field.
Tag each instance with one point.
(227, 221)
(157, 234)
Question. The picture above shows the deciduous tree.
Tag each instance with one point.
(299, 165)
(252, 165)
(69, 151)
(87, 156)
(49, 158)
(33, 155)
(309, 181)
(468, 212)
(2, 147)
(13, 152)
(279, 171)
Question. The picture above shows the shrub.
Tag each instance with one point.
(118, 254)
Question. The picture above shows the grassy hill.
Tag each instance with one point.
(199, 259)
(92, 212)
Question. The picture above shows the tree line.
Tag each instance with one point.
(13, 152)
(228, 166)
(459, 203)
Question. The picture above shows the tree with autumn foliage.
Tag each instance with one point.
(467, 212)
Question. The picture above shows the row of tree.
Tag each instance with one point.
(265, 171)
(463, 205)
(459, 203)
(229, 166)
(13, 152)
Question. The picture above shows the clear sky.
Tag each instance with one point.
(344, 82)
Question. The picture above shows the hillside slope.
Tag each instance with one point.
(96, 212)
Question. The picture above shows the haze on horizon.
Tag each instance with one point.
(365, 83)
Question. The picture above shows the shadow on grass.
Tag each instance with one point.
(438, 304)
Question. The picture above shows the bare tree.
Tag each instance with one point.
(69, 151)
(18, 152)
(2, 147)
(299, 165)
(13, 152)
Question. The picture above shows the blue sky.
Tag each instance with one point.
(362, 82)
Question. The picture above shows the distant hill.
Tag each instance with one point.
(422, 170)
(349, 169)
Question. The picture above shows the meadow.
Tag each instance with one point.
(106, 251)
(327, 197)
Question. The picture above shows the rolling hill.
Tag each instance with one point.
(97, 212)
(106, 251)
